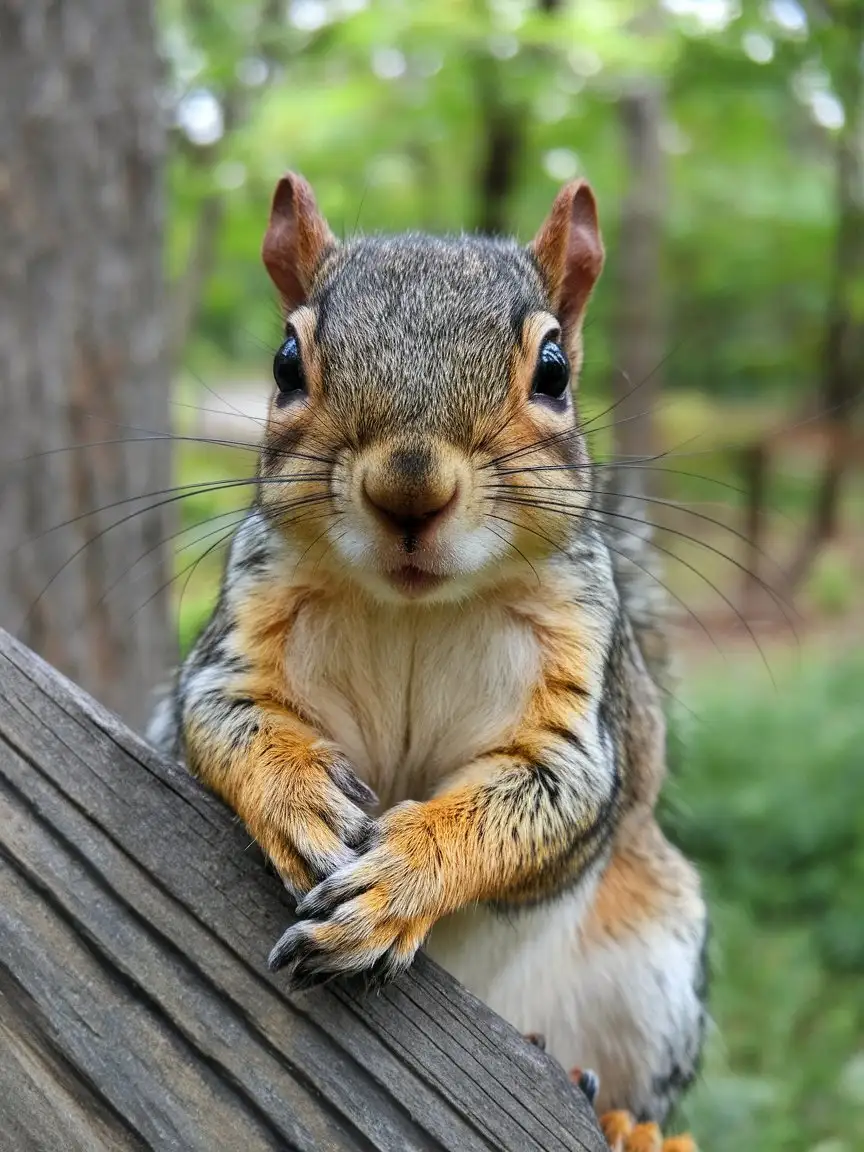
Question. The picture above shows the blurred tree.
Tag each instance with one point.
(81, 341)
(259, 54)
(840, 34)
(503, 127)
(638, 328)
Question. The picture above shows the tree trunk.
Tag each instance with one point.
(843, 361)
(504, 140)
(638, 331)
(755, 460)
(81, 341)
(503, 132)
(188, 289)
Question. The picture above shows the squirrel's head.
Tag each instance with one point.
(423, 437)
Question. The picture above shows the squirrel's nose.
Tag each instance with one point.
(410, 494)
(409, 513)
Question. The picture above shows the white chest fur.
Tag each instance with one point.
(412, 693)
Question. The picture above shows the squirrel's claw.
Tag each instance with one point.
(354, 922)
(536, 1040)
(587, 1082)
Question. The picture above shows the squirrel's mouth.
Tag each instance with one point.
(414, 581)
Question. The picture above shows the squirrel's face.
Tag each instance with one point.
(423, 439)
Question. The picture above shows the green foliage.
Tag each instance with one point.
(768, 798)
(385, 106)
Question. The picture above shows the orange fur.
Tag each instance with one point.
(624, 1135)
(643, 878)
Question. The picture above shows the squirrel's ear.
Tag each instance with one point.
(296, 240)
(569, 250)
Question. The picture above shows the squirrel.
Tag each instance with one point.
(431, 685)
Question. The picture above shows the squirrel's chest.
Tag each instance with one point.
(411, 695)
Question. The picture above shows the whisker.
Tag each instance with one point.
(634, 463)
(624, 555)
(257, 340)
(211, 440)
(330, 544)
(600, 515)
(528, 528)
(690, 612)
(621, 399)
(110, 527)
(490, 437)
(647, 572)
(534, 447)
(237, 411)
(183, 491)
(152, 437)
(559, 437)
(519, 552)
(566, 509)
(588, 430)
(215, 411)
(360, 209)
(87, 444)
(674, 504)
(226, 533)
(306, 551)
(678, 599)
(588, 464)
(708, 480)
(190, 568)
(701, 575)
(239, 513)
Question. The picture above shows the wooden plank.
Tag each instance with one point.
(45, 1104)
(135, 1004)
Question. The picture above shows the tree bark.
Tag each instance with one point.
(639, 315)
(82, 341)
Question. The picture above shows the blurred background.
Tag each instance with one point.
(139, 146)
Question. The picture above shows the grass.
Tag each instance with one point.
(767, 797)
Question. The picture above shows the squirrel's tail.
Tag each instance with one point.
(628, 532)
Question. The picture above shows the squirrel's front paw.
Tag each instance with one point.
(309, 821)
(370, 916)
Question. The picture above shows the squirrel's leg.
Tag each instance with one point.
(240, 733)
(622, 991)
(294, 791)
(640, 971)
(231, 718)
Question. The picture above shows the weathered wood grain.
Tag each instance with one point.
(136, 1010)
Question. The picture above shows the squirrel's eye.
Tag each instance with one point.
(288, 367)
(552, 374)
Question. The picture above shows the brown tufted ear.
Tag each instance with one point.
(296, 240)
(569, 250)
